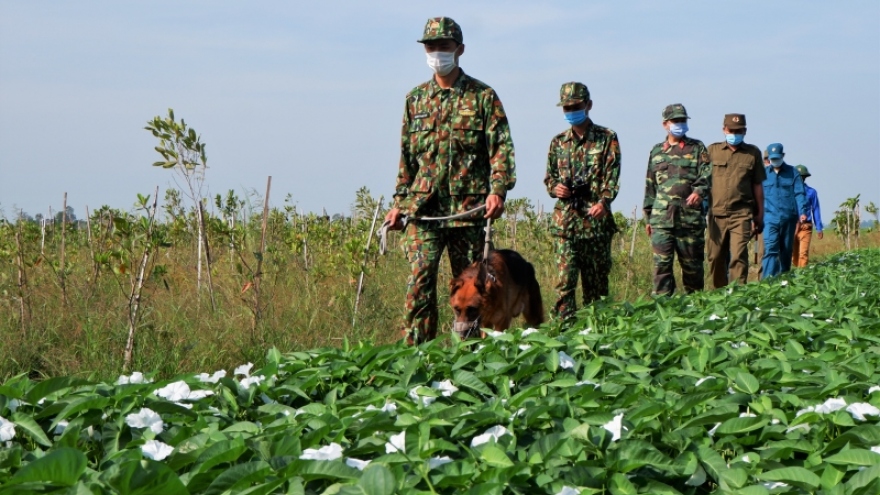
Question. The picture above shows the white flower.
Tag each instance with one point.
(738, 346)
(731, 391)
(14, 404)
(145, 418)
(528, 331)
(829, 320)
(876, 449)
(445, 387)
(135, 378)
(772, 485)
(495, 432)
(714, 429)
(565, 361)
(156, 450)
(7, 430)
(707, 332)
(614, 426)
(806, 315)
(479, 348)
(585, 331)
(567, 490)
(714, 317)
(747, 415)
(873, 389)
(251, 380)
(327, 453)
(746, 458)
(356, 463)
(205, 378)
(524, 347)
(802, 426)
(397, 443)
(701, 380)
(586, 382)
(60, 427)
(784, 283)
(389, 407)
(518, 412)
(180, 391)
(861, 409)
(494, 334)
(774, 421)
(730, 290)
(604, 347)
(425, 401)
(435, 462)
(244, 369)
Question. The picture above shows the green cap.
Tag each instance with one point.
(442, 28)
(675, 111)
(572, 93)
(803, 171)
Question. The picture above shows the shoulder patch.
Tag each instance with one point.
(420, 115)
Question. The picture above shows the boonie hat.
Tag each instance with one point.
(775, 151)
(572, 93)
(734, 121)
(803, 171)
(675, 111)
(442, 28)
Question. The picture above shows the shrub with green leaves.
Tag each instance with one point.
(757, 389)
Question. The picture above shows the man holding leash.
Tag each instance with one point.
(677, 181)
(801, 249)
(456, 155)
(736, 207)
(583, 170)
(785, 205)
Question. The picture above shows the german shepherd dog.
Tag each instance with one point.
(489, 294)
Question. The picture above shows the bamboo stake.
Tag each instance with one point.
(22, 280)
(199, 249)
(61, 264)
(207, 254)
(91, 248)
(357, 299)
(632, 249)
(259, 273)
(134, 299)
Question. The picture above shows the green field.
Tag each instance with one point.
(771, 387)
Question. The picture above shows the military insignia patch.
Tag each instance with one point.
(467, 113)
(735, 119)
(420, 115)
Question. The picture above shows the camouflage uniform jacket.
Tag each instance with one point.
(674, 172)
(592, 162)
(455, 150)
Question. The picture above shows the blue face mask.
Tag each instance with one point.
(678, 129)
(776, 162)
(577, 117)
(734, 139)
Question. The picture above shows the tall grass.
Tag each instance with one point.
(309, 281)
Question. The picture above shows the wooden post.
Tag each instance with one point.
(259, 273)
(22, 280)
(357, 299)
(61, 261)
(204, 236)
(95, 265)
(134, 298)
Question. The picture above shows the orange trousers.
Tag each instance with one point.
(800, 253)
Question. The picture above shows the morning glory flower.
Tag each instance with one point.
(772, 485)
(425, 401)
(876, 449)
(60, 427)
(389, 407)
(565, 361)
(435, 462)
(529, 331)
(495, 432)
(806, 315)
(445, 387)
(136, 378)
(397, 443)
(145, 418)
(14, 404)
(714, 317)
(327, 453)
(859, 410)
(356, 463)
(205, 378)
(714, 429)
(585, 331)
(179, 391)
(567, 490)
(829, 406)
(746, 458)
(244, 369)
(615, 426)
(156, 450)
(7, 430)
(251, 380)
(524, 347)
(873, 389)
(784, 283)
(494, 334)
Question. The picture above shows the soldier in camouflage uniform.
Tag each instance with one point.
(456, 153)
(678, 179)
(583, 170)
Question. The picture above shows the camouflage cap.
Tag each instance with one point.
(803, 171)
(572, 93)
(735, 121)
(442, 28)
(675, 111)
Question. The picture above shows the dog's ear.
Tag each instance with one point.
(454, 285)
(480, 281)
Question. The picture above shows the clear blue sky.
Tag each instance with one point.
(312, 93)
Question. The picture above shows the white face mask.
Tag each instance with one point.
(441, 63)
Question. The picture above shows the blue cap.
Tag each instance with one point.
(775, 151)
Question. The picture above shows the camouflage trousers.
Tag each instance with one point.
(689, 244)
(424, 247)
(589, 258)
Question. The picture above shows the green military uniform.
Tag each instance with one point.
(675, 171)
(456, 149)
(590, 164)
(732, 205)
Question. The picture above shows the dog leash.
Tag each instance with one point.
(386, 226)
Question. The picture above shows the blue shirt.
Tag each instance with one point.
(784, 194)
(814, 214)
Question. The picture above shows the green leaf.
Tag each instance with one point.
(495, 457)
(60, 467)
(239, 476)
(144, 477)
(469, 380)
(855, 457)
(736, 426)
(52, 385)
(747, 383)
(29, 426)
(377, 480)
(620, 485)
(797, 476)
